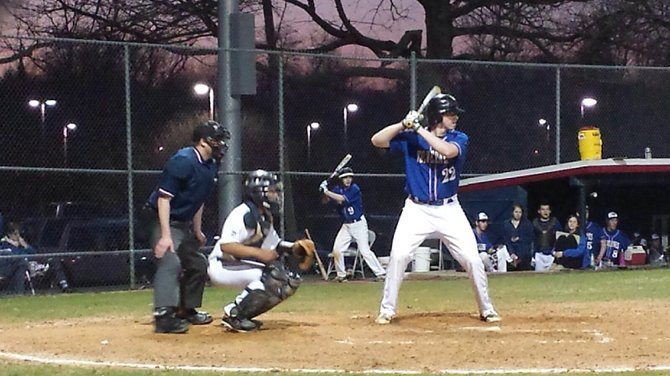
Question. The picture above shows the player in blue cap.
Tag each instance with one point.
(433, 157)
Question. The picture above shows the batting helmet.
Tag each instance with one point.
(215, 135)
(264, 189)
(442, 104)
(345, 172)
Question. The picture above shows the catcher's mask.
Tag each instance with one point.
(442, 104)
(264, 189)
(215, 135)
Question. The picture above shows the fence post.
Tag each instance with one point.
(129, 164)
(558, 115)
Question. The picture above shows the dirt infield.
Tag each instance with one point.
(575, 335)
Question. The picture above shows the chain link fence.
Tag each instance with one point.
(87, 127)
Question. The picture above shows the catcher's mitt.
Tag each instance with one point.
(303, 250)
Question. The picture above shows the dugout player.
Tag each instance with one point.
(176, 205)
(433, 159)
(613, 243)
(349, 200)
(246, 256)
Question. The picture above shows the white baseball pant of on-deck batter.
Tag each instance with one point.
(357, 232)
(448, 222)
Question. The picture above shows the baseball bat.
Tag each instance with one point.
(342, 163)
(431, 94)
(318, 259)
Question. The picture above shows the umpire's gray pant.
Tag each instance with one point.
(181, 275)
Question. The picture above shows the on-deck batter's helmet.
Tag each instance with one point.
(345, 172)
(442, 104)
(215, 135)
(264, 189)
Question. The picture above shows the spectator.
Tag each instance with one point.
(571, 251)
(48, 274)
(655, 252)
(639, 240)
(613, 243)
(544, 227)
(518, 237)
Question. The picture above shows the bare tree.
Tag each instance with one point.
(548, 30)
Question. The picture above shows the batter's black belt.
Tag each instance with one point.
(353, 220)
(439, 202)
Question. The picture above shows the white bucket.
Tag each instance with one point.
(421, 262)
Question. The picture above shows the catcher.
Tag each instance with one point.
(250, 255)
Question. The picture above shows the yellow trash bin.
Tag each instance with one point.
(590, 143)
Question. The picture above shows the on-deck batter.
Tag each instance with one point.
(434, 159)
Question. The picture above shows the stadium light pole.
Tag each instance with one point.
(587, 102)
(310, 127)
(42, 106)
(69, 127)
(351, 107)
(204, 89)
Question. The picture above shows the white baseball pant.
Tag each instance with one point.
(357, 232)
(447, 222)
(246, 276)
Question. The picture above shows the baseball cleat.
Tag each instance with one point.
(195, 317)
(490, 317)
(383, 319)
(380, 278)
(341, 279)
(238, 325)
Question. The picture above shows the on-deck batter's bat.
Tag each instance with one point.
(342, 163)
(318, 259)
(431, 94)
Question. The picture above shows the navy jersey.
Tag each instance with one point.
(188, 180)
(615, 242)
(351, 209)
(430, 175)
(483, 243)
(522, 235)
(593, 233)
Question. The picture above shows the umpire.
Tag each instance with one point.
(173, 219)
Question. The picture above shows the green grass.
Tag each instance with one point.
(420, 295)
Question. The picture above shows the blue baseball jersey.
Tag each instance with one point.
(188, 179)
(430, 175)
(592, 232)
(616, 242)
(483, 243)
(352, 208)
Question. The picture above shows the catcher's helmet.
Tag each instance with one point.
(215, 135)
(345, 172)
(264, 189)
(439, 105)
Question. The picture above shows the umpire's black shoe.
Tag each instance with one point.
(195, 317)
(167, 322)
(236, 324)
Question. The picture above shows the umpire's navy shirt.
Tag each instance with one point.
(188, 179)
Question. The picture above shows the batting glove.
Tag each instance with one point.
(412, 121)
(323, 187)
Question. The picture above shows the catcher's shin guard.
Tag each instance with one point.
(278, 284)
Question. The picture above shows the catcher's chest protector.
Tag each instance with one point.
(259, 222)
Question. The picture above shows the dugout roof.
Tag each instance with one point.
(635, 188)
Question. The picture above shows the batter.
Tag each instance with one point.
(433, 158)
